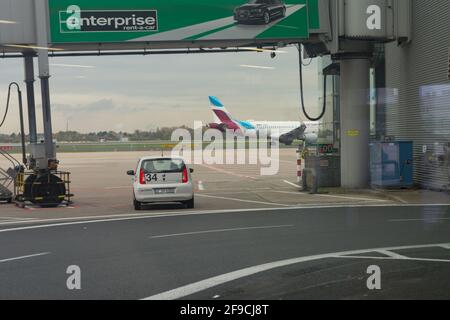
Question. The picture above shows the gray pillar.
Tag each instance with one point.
(29, 81)
(41, 8)
(355, 123)
(46, 112)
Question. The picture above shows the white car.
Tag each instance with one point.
(160, 179)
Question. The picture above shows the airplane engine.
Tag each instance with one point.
(287, 140)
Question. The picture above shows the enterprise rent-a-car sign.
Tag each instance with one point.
(101, 21)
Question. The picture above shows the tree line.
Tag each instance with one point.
(164, 134)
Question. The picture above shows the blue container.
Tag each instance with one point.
(391, 164)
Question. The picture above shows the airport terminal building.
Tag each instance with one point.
(416, 104)
(409, 96)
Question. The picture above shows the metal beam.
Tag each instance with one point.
(29, 82)
(133, 53)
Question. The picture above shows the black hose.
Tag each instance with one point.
(7, 106)
(22, 128)
(324, 108)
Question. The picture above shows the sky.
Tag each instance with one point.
(128, 93)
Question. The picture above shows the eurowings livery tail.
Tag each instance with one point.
(286, 131)
(222, 118)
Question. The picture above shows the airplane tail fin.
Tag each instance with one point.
(221, 114)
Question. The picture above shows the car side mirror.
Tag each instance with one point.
(130, 172)
(191, 170)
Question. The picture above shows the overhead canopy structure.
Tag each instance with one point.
(86, 25)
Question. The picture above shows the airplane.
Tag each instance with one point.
(285, 131)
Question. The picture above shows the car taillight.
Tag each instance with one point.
(142, 177)
(185, 175)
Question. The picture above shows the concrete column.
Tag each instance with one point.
(355, 123)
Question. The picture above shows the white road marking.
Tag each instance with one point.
(390, 258)
(201, 186)
(18, 219)
(398, 199)
(128, 217)
(25, 257)
(256, 67)
(220, 231)
(392, 254)
(337, 197)
(351, 198)
(239, 274)
(242, 200)
(291, 184)
(421, 220)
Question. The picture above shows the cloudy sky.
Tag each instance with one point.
(136, 92)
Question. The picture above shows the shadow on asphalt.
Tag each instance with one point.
(162, 207)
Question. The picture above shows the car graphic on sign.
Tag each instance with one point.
(260, 11)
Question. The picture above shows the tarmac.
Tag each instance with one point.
(102, 189)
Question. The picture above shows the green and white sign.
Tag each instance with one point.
(103, 21)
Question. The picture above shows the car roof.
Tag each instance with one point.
(160, 157)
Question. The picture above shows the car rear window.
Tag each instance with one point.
(163, 165)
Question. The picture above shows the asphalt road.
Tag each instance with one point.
(233, 255)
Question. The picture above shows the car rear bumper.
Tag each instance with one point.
(147, 194)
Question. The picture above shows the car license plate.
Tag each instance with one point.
(164, 191)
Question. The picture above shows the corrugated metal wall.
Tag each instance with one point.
(418, 100)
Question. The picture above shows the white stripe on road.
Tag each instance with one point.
(351, 198)
(203, 285)
(389, 258)
(16, 219)
(25, 257)
(220, 231)
(292, 184)
(392, 254)
(337, 197)
(242, 200)
(129, 217)
(256, 67)
(398, 199)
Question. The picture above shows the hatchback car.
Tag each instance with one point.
(260, 11)
(159, 180)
